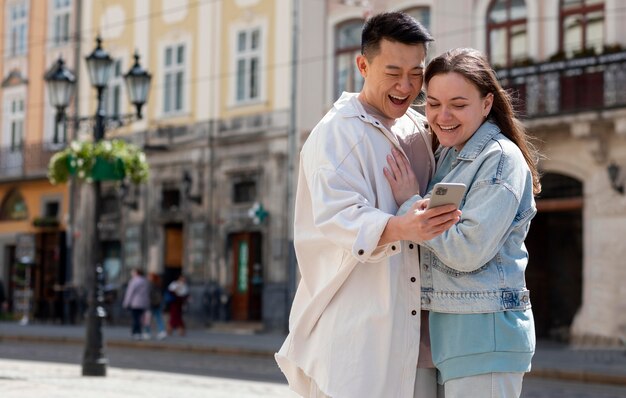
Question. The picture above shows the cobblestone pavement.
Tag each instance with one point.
(29, 379)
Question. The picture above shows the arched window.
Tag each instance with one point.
(13, 207)
(422, 15)
(347, 47)
(507, 38)
(582, 25)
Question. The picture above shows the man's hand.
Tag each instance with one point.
(400, 177)
(420, 224)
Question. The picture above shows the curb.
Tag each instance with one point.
(142, 344)
(579, 376)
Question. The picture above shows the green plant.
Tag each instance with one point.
(611, 48)
(43, 222)
(84, 159)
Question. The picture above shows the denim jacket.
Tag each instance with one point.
(478, 265)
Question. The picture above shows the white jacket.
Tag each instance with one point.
(354, 323)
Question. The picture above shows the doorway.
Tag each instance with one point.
(173, 252)
(555, 246)
(247, 269)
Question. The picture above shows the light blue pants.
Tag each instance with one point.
(489, 385)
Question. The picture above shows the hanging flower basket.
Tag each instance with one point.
(103, 161)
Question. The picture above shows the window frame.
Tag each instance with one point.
(177, 72)
(352, 52)
(583, 10)
(60, 14)
(112, 98)
(248, 55)
(15, 118)
(508, 25)
(17, 28)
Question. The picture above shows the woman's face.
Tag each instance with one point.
(455, 108)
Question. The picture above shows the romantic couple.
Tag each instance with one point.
(397, 299)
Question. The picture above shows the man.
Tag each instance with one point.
(355, 320)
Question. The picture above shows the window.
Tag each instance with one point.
(507, 40)
(15, 123)
(347, 47)
(113, 92)
(51, 209)
(61, 21)
(17, 28)
(582, 25)
(248, 63)
(170, 199)
(60, 131)
(422, 15)
(174, 79)
(13, 207)
(244, 191)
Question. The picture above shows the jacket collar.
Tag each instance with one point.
(474, 146)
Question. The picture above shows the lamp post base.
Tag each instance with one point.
(95, 369)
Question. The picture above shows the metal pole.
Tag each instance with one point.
(94, 361)
(71, 228)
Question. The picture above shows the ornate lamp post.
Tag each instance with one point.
(60, 82)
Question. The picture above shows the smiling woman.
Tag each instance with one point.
(455, 108)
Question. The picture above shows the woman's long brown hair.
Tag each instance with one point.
(472, 65)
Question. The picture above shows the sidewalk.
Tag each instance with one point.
(552, 360)
(27, 379)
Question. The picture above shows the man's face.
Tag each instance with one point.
(393, 77)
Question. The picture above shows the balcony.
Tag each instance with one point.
(570, 86)
(25, 162)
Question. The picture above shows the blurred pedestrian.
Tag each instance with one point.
(180, 290)
(137, 300)
(156, 305)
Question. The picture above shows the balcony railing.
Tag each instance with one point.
(568, 86)
(27, 161)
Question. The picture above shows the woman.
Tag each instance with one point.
(481, 325)
(180, 290)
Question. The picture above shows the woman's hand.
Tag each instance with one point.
(400, 177)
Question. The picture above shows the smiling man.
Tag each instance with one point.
(354, 328)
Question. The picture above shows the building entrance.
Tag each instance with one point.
(247, 276)
(555, 246)
(173, 253)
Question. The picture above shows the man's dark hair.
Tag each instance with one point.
(395, 27)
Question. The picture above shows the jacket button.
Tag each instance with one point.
(413, 312)
(413, 279)
(393, 247)
(410, 245)
(361, 252)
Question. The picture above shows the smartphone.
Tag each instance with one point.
(446, 193)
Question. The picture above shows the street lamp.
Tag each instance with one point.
(61, 82)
